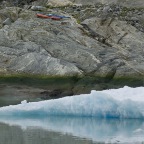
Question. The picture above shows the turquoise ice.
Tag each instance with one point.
(115, 103)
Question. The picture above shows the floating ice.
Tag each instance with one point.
(115, 103)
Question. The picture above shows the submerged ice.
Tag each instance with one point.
(115, 103)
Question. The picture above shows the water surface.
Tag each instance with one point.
(72, 130)
(108, 116)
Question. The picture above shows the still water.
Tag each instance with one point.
(69, 130)
(74, 119)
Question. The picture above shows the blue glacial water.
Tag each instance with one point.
(115, 103)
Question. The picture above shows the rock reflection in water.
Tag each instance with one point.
(64, 130)
(35, 135)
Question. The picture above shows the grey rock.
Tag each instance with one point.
(38, 8)
(106, 9)
(46, 47)
(135, 19)
(126, 39)
(33, 63)
(7, 22)
(126, 3)
(59, 3)
(43, 46)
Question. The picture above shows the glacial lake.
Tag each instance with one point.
(70, 130)
(109, 116)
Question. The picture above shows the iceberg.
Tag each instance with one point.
(120, 103)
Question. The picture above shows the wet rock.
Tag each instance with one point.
(19, 93)
(57, 93)
(51, 94)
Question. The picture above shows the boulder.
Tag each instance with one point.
(59, 3)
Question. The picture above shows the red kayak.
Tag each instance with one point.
(43, 16)
(50, 17)
(55, 18)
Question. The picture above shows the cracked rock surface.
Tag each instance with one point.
(102, 43)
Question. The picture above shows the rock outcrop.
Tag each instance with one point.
(43, 46)
(126, 39)
(127, 3)
(95, 40)
(59, 3)
(99, 43)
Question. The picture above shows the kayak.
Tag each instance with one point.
(46, 16)
(57, 16)
(43, 16)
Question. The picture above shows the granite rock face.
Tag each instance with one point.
(24, 48)
(126, 39)
(96, 45)
(58, 3)
(128, 3)
(43, 46)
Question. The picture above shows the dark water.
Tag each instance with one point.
(69, 130)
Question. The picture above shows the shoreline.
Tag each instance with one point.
(16, 88)
(99, 46)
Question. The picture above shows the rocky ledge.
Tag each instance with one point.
(97, 39)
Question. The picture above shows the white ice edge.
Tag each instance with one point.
(115, 103)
